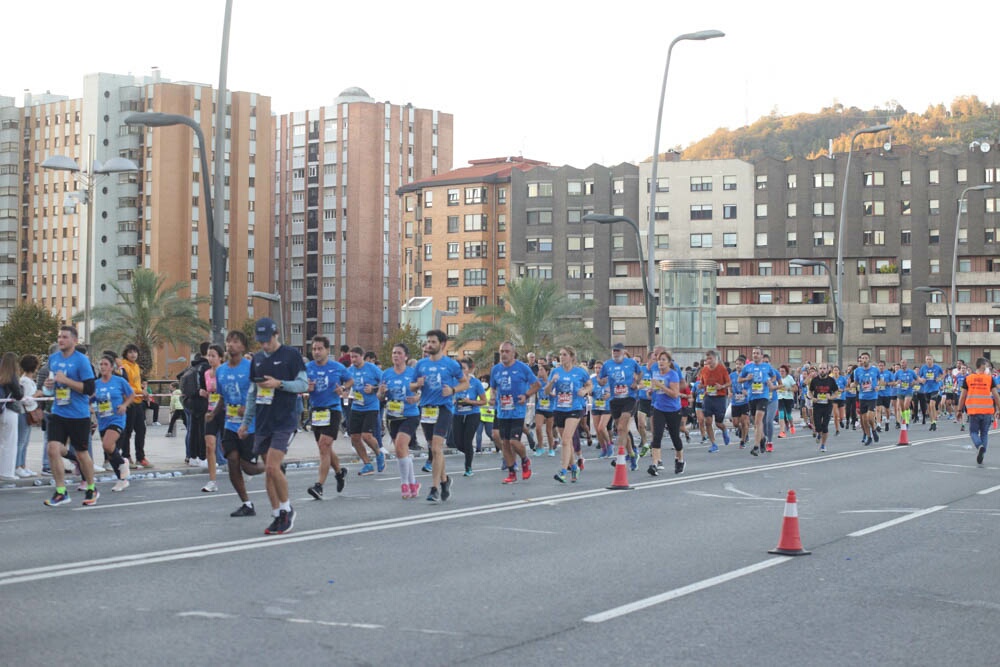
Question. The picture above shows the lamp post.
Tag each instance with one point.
(699, 36)
(949, 311)
(89, 181)
(954, 257)
(273, 298)
(216, 244)
(605, 219)
(833, 295)
(840, 238)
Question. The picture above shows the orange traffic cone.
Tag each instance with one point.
(904, 438)
(789, 544)
(994, 423)
(620, 482)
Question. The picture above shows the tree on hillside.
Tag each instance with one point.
(537, 316)
(152, 315)
(29, 329)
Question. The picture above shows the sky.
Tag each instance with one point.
(563, 82)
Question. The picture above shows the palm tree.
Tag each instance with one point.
(152, 316)
(537, 317)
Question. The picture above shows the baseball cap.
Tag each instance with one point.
(265, 329)
(618, 346)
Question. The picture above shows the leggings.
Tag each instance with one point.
(852, 409)
(464, 428)
(672, 422)
(785, 406)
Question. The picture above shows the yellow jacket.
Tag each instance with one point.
(134, 378)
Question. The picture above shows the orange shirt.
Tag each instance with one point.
(133, 375)
(708, 377)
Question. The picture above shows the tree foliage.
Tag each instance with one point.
(249, 328)
(29, 329)
(406, 334)
(152, 315)
(537, 317)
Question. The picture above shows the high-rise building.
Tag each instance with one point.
(10, 203)
(336, 215)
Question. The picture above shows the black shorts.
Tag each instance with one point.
(688, 412)
(838, 401)
(740, 410)
(933, 397)
(885, 401)
(72, 432)
(363, 422)
(547, 414)
(510, 429)
(216, 425)
(951, 397)
(645, 406)
(561, 417)
(113, 427)
(758, 405)
(332, 429)
(866, 405)
(407, 425)
(231, 442)
(440, 427)
(620, 406)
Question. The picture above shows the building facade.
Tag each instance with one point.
(10, 204)
(337, 218)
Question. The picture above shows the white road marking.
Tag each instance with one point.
(203, 496)
(989, 490)
(205, 614)
(335, 624)
(893, 522)
(890, 510)
(639, 605)
(523, 530)
(946, 472)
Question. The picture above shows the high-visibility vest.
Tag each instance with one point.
(979, 397)
(487, 411)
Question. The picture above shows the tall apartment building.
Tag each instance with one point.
(455, 239)
(10, 203)
(154, 218)
(549, 240)
(336, 214)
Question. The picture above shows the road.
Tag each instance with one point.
(677, 571)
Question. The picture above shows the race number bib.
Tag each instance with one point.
(564, 399)
(904, 385)
(544, 404)
(62, 396)
(321, 417)
(358, 396)
(600, 404)
(929, 375)
(621, 390)
(867, 386)
(710, 389)
(104, 409)
(822, 398)
(647, 384)
(757, 387)
(394, 408)
(265, 396)
(233, 414)
(213, 401)
(506, 402)
(429, 414)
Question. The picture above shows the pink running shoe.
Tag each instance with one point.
(406, 491)
(414, 490)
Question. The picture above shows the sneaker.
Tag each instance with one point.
(157, 424)
(98, 467)
(541, 451)
(380, 461)
(755, 451)
(560, 476)
(633, 463)
(687, 437)
(980, 455)
(58, 499)
(146, 464)
(90, 499)
(468, 473)
(781, 434)
(341, 478)
(82, 486)
(962, 427)
(46, 472)
(644, 450)
(120, 485)
(659, 466)
(244, 510)
(414, 490)
(652, 470)
(426, 467)
(725, 436)
(573, 473)
(275, 525)
(404, 488)
(446, 489)
(875, 435)
(510, 479)
(169, 435)
(678, 467)
(933, 426)
(552, 452)
(714, 448)
(210, 487)
(526, 473)
(316, 491)
(369, 469)
(286, 519)
(579, 463)
(878, 428)
(822, 448)
(770, 447)
(432, 497)
(792, 429)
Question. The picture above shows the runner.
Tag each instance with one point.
(487, 415)
(929, 376)
(600, 413)
(72, 378)
(622, 376)
(786, 401)
(666, 404)
(232, 381)
(643, 406)
(886, 396)
(823, 390)
(329, 381)
(364, 410)
(112, 397)
(467, 415)
(980, 399)
(570, 384)
(714, 377)
(740, 410)
(438, 377)
(762, 378)
(838, 400)
(403, 414)
(544, 415)
(215, 418)
(514, 384)
(279, 376)
(905, 379)
(866, 377)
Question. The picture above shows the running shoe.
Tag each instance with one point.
(244, 510)
(380, 461)
(286, 520)
(743, 444)
(792, 429)
(560, 476)
(770, 447)
(432, 497)
(526, 474)
(687, 437)
(644, 450)
(446, 489)
(144, 462)
(573, 472)
(426, 468)
(652, 470)
(468, 472)
(82, 486)
(875, 435)
(368, 469)
(210, 487)
(781, 434)
(725, 436)
(405, 488)
(90, 499)
(316, 491)
(822, 448)
(678, 467)
(510, 479)
(121, 485)
(552, 452)
(962, 427)
(981, 454)
(341, 478)
(878, 428)
(542, 451)
(755, 451)
(659, 465)
(58, 499)
(633, 463)
(579, 463)
(414, 490)
(275, 525)
(714, 448)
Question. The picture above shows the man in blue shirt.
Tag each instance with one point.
(929, 376)
(762, 379)
(364, 410)
(905, 378)
(513, 384)
(867, 377)
(886, 395)
(329, 381)
(622, 376)
(71, 377)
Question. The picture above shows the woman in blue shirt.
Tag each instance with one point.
(600, 412)
(666, 404)
(466, 421)
(403, 414)
(112, 396)
(571, 385)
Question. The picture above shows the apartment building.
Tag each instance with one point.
(336, 235)
(10, 203)
(456, 239)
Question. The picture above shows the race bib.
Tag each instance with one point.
(544, 404)
(822, 398)
(321, 417)
(233, 414)
(757, 387)
(647, 383)
(62, 396)
(904, 385)
(429, 414)
(867, 386)
(358, 396)
(600, 404)
(265, 396)
(929, 375)
(881, 386)
(710, 389)
(394, 408)
(621, 390)
(506, 402)
(104, 409)
(564, 399)
(213, 401)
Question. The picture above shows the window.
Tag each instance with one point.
(795, 296)
(662, 212)
(617, 241)
(935, 266)
(540, 271)
(428, 279)
(823, 208)
(791, 240)
(904, 207)
(539, 189)
(794, 327)
(728, 182)
(729, 211)
(453, 197)
(452, 224)
(761, 210)
(905, 237)
(934, 325)
(963, 235)
(823, 180)
(990, 235)
(765, 269)
(822, 326)
(993, 204)
(761, 182)
(471, 303)
(501, 249)
(729, 240)
(731, 326)
(765, 297)
(452, 282)
(822, 239)
(574, 188)
(574, 243)
(501, 195)
(574, 215)
(964, 265)
(905, 325)
(791, 210)
(964, 296)
(864, 296)
(701, 211)
(874, 178)
(475, 195)
(428, 252)
(475, 222)
(701, 184)
(539, 244)
(428, 226)
(761, 240)
(961, 175)
(933, 177)
(933, 236)
(429, 199)
(618, 186)
(882, 295)
(701, 240)
(905, 266)
(904, 177)
(993, 296)
(873, 325)
(873, 237)
(540, 217)
(478, 249)
(793, 181)
(874, 208)
(662, 241)
(733, 298)
(618, 327)
(763, 327)
(452, 251)
(475, 277)
(934, 207)
(575, 271)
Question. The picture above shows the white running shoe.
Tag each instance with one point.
(120, 485)
(211, 487)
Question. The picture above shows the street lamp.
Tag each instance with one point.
(699, 36)
(216, 241)
(833, 294)
(954, 256)
(273, 298)
(605, 219)
(89, 181)
(840, 236)
(948, 311)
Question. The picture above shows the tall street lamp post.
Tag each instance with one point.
(833, 295)
(605, 219)
(954, 260)
(949, 309)
(89, 181)
(840, 239)
(217, 248)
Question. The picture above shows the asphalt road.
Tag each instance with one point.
(677, 571)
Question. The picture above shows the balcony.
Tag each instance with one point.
(625, 283)
(776, 281)
(978, 338)
(884, 309)
(623, 312)
(978, 278)
(787, 311)
(883, 279)
(971, 309)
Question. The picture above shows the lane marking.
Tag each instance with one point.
(204, 496)
(989, 490)
(897, 521)
(523, 530)
(639, 605)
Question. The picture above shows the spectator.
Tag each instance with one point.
(136, 415)
(176, 409)
(151, 403)
(10, 387)
(29, 364)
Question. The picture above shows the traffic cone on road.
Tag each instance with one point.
(790, 544)
(994, 423)
(620, 481)
(904, 437)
